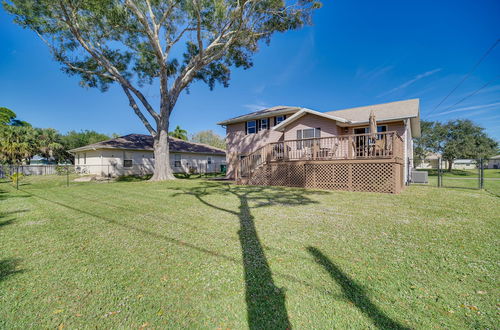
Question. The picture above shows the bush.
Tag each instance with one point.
(64, 169)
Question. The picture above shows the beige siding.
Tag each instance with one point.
(110, 162)
(328, 127)
(240, 143)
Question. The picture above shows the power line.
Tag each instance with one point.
(466, 76)
(471, 94)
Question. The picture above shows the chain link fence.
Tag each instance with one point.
(459, 173)
(69, 174)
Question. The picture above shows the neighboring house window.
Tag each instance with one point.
(127, 161)
(251, 127)
(84, 158)
(263, 124)
(177, 160)
(78, 161)
(279, 119)
(307, 133)
(209, 160)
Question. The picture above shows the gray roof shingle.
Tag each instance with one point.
(145, 142)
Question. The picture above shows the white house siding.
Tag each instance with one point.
(111, 162)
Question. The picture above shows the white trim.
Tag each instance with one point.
(302, 113)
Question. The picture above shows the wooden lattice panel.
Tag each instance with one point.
(279, 174)
(296, 176)
(355, 176)
(260, 176)
(378, 177)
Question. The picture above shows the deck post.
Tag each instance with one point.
(349, 147)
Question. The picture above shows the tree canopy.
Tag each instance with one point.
(9, 117)
(455, 139)
(171, 42)
(209, 137)
(179, 133)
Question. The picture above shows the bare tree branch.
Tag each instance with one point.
(138, 112)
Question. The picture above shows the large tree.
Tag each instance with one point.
(131, 42)
(454, 140)
(464, 139)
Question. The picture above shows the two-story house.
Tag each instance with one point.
(294, 146)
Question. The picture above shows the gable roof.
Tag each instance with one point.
(385, 111)
(399, 110)
(274, 111)
(304, 112)
(145, 142)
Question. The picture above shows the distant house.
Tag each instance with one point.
(133, 155)
(429, 162)
(464, 164)
(494, 162)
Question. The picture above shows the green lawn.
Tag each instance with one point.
(204, 254)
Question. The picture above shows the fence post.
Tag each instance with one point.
(17, 177)
(481, 174)
(67, 175)
(439, 172)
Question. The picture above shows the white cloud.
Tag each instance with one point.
(470, 108)
(411, 81)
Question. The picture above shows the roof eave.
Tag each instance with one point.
(303, 112)
(248, 117)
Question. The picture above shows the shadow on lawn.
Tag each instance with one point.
(265, 301)
(266, 307)
(355, 293)
(8, 267)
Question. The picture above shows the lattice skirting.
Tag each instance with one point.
(385, 177)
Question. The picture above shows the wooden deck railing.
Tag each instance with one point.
(357, 146)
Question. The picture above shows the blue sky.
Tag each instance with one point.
(356, 53)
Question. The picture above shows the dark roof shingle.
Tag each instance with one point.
(145, 142)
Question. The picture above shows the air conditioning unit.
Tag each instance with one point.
(419, 177)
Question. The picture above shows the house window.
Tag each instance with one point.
(78, 161)
(84, 158)
(308, 133)
(177, 160)
(127, 163)
(366, 130)
(279, 119)
(251, 127)
(263, 124)
(209, 160)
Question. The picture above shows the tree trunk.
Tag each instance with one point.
(162, 171)
(450, 164)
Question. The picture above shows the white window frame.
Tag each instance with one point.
(254, 127)
(264, 124)
(300, 136)
(177, 160)
(279, 119)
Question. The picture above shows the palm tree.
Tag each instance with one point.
(16, 144)
(179, 133)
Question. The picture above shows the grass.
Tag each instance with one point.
(203, 254)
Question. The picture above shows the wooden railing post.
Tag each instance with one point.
(349, 147)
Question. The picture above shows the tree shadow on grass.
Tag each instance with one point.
(355, 293)
(265, 301)
(266, 305)
(8, 267)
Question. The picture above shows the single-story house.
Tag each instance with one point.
(494, 162)
(429, 162)
(463, 164)
(133, 155)
(296, 146)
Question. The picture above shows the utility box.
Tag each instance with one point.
(419, 177)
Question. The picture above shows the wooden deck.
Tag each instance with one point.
(361, 162)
